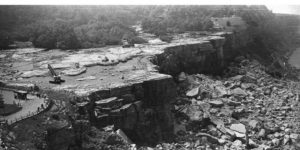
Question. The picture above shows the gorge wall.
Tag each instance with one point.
(209, 55)
(140, 110)
(143, 109)
(140, 103)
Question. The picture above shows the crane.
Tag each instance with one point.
(57, 79)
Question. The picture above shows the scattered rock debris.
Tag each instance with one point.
(246, 109)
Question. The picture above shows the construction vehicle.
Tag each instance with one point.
(57, 79)
(127, 43)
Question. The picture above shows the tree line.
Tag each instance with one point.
(73, 27)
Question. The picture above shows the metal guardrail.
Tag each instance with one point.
(48, 104)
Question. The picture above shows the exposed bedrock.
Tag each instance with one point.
(203, 57)
(135, 97)
(142, 110)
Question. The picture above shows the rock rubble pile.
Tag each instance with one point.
(247, 109)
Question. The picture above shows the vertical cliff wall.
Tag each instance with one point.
(142, 110)
(206, 56)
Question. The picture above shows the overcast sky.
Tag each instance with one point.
(277, 6)
(287, 9)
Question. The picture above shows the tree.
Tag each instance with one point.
(4, 40)
(1, 101)
(228, 23)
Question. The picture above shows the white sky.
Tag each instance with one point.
(289, 9)
(277, 6)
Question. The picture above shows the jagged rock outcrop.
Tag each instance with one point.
(142, 110)
(205, 56)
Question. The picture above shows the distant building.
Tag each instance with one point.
(21, 95)
(233, 23)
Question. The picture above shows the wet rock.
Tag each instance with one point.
(216, 103)
(193, 92)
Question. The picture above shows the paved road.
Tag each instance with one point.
(28, 106)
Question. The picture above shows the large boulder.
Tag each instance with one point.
(239, 130)
(216, 103)
(194, 113)
(193, 92)
(238, 92)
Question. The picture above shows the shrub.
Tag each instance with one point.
(165, 38)
(138, 40)
(4, 40)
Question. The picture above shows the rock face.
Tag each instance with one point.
(141, 110)
(204, 56)
(60, 139)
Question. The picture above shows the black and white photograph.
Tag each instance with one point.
(154, 75)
